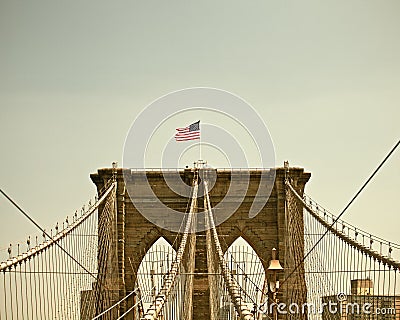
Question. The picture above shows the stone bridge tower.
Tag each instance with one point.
(136, 234)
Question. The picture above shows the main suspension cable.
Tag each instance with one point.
(343, 211)
(45, 233)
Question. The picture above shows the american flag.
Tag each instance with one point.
(191, 132)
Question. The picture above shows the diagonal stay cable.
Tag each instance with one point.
(44, 232)
(344, 210)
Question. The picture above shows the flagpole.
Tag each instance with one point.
(200, 147)
(200, 144)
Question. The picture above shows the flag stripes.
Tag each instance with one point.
(191, 132)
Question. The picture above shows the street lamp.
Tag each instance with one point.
(273, 269)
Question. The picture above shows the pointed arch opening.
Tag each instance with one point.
(248, 272)
(154, 266)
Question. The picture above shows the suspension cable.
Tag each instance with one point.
(156, 307)
(233, 288)
(343, 211)
(114, 305)
(55, 239)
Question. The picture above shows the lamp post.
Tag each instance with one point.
(273, 269)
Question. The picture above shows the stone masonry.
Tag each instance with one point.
(136, 234)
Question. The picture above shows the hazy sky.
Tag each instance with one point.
(324, 75)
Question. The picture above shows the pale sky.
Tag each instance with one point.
(324, 76)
